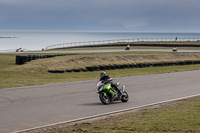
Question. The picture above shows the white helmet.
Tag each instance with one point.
(102, 74)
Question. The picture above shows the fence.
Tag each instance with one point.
(73, 44)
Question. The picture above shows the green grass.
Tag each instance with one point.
(180, 117)
(7, 61)
(26, 78)
(36, 72)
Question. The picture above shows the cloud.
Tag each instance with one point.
(98, 14)
(136, 22)
(10, 2)
(127, 22)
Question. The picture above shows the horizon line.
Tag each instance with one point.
(108, 31)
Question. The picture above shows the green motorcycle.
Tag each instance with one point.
(107, 93)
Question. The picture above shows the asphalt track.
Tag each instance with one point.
(28, 107)
(102, 50)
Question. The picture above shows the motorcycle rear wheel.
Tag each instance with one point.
(125, 97)
(104, 99)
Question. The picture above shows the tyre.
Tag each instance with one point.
(83, 69)
(69, 70)
(18, 60)
(102, 67)
(112, 67)
(51, 71)
(76, 70)
(104, 99)
(95, 68)
(125, 97)
(24, 59)
(59, 71)
(90, 68)
(117, 66)
(107, 67)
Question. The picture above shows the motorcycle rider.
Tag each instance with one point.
(107, 78)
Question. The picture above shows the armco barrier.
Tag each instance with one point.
(22, 59)
(131, 42)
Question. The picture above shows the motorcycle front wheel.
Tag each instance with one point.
(125, 97)
(104, 99)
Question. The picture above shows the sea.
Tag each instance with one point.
(37, 40)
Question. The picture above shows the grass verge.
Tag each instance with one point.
(180, 116)
(36, 72)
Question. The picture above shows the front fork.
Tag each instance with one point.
(104, 93)
(111, 92)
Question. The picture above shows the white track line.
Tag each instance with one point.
(104, 114)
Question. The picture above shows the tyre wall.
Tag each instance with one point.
(22, 59)
(126, 66)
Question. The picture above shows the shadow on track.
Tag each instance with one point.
(95, 104)
(91, 104)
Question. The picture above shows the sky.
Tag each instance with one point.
(101, 15)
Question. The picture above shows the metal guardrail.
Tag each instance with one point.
(73, 44)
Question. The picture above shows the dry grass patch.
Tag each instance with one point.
(81, 61)
(36, 72)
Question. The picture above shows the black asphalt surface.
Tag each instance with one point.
(28, 107)
(103, 50)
